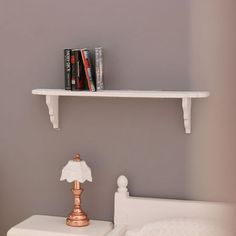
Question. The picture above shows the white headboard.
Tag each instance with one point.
(136, 211)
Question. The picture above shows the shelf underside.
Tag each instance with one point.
(52, 99)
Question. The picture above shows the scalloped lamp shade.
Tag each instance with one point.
(76, 171)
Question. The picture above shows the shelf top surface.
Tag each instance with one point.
(123, 93)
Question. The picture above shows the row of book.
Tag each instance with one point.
(79, 72)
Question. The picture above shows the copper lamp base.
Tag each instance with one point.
(77, 220)
(77, 217)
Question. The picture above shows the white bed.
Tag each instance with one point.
(135, 213)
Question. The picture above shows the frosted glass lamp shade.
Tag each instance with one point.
(76, 171)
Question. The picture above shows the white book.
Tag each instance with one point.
(99, 68)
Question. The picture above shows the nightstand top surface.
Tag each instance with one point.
(39, 225)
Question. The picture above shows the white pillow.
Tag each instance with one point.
(180, 227)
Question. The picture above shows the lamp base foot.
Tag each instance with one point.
(77, 219)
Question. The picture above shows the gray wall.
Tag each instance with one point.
(147, 45)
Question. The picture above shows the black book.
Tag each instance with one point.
(78, 70)
(74, 71)
(67, 57)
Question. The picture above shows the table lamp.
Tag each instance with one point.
(77, 171)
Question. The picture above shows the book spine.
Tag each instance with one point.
(85, 53)
(79, 78)
(73, 61)
(99, 68)
(67, 55)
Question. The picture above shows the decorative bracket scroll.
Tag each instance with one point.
(52, 102)
(187, 105)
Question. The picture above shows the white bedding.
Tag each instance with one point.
(176, 227)
(180, 227)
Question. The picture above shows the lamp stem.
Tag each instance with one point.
(76, 185)
(77, 191)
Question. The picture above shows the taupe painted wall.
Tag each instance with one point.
(211, 168)
(147, 45)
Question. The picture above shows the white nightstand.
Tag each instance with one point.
(39, 225)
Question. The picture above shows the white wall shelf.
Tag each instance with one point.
(52, 99)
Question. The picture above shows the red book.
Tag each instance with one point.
(85, 53)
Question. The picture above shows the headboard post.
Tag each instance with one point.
(121, 196)
(122, 183)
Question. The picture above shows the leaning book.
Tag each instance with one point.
(99, 68)
(86, 57)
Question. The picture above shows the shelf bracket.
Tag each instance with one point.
(52, 102)
(187, 105)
